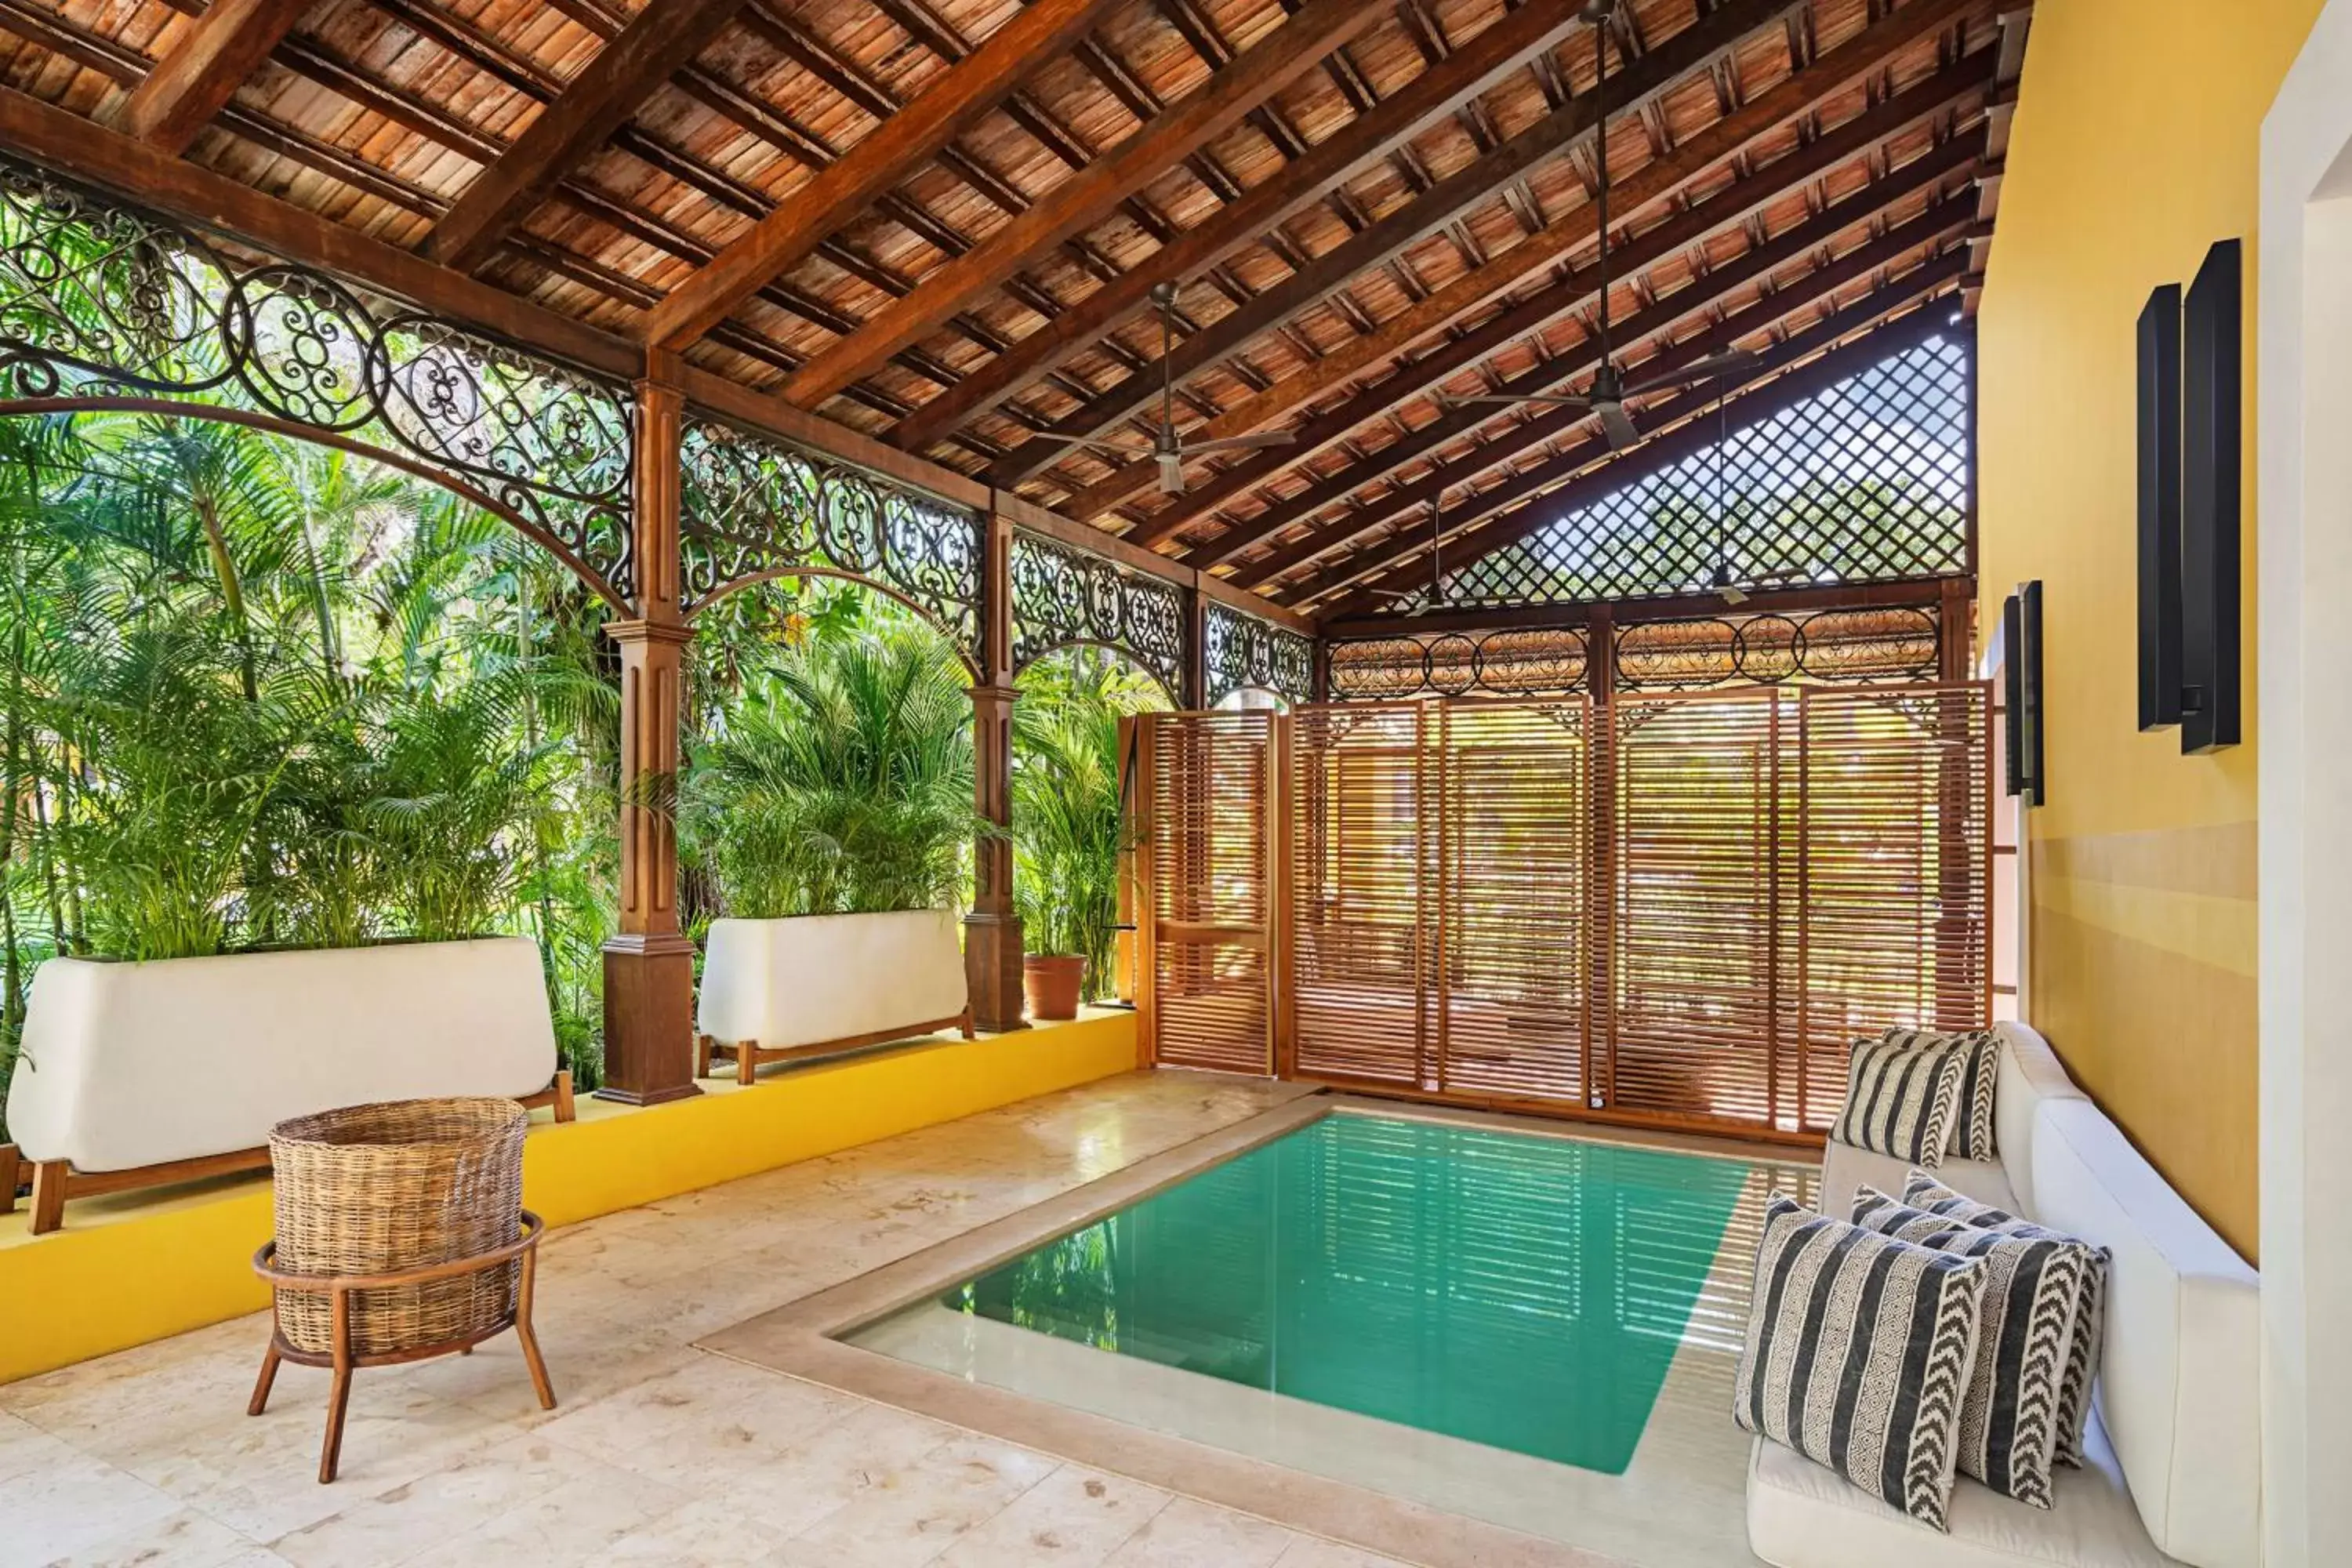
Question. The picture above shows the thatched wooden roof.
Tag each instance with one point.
(595, 159)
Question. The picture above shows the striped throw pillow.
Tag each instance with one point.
(1900, 1100)
(1923, 1193)
(1970, 1135)
(2032, 1293)
(1858, 1353)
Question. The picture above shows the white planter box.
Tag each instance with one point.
(787, 986)
(131, 1064)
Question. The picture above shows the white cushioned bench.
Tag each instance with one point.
(2174, 1449)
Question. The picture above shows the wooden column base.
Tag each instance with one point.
(648, 1019)
(992, 969)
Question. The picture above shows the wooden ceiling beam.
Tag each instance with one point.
(898, 144)
(1766, 314)
(1274, 62)
(1859, 57)
(660, 41)
(1726, 210)
(1570, 125)
(202, 73)
(1591, 470)
(1513, 41)
(1939, 220)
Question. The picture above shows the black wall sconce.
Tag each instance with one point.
(2191, 440)
(2024, 717)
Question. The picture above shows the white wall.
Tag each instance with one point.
(2304, 547)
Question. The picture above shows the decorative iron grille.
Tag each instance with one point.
(1062, 596)
(1549, 662)
(753, 507)
(1247, 652)
(1826, 646)
(1866, 482)
(101, 301)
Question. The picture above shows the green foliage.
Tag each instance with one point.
(263, 693)
(838, 780)
(1069, 827)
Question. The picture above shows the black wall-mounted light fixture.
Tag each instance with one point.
(2023, 717)
(2192, 441)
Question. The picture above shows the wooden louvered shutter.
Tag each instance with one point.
(1209, 999)
(1361, 925)
(1701, 820)
(1895, 876)
(1515, 830)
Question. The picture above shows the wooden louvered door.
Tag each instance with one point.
(1515, 835)
(1210, 873)
(1361, 911)
(1702, 815)
(1894, 876)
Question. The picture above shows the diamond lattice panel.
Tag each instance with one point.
(1866, 482)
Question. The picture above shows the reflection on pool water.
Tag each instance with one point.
(1520, 1291)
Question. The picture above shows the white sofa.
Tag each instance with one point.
(133, 1073)
(773, 990)
(2174, 1449)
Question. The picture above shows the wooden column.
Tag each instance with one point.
(992, 933)
(650, 964)
(1193, 681)
(1600, 861)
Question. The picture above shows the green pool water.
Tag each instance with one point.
(1525, 1293)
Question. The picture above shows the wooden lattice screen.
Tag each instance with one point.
(1675, 909)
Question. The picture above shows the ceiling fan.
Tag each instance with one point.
(1435, 596)
(1607, 395)
(1169, 448)
(1733, 591)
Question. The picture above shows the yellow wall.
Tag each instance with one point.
(132, 1268)
(2133, 148)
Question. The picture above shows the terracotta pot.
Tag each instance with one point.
(1050, 981)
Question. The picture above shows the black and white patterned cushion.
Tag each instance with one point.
(1971, 1134)
(1858, 1353)
(2033, 1295)
(1923, 1192)
(1900, 1100)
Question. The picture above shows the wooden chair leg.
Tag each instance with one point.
(12, 1170)
(331, 1451)
(565, 1110)
(965, 1022)
(262, 1385)
(702, 1056)
(48, 1196)
(747, 1061)
(540, 1382)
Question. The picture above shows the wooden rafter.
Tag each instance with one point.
(1766, 315)
(1736, 206)
(662, 40)
(1510, 44)
(1589, 469)
(1513, 436)
(1570, 125)
(196, 79)
(1857, 57)
(789, 232)
(1274, 62)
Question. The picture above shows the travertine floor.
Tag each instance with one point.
(660, 1453)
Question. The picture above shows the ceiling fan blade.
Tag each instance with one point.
(1171, 473)
(1617, 426)
(1098, 444)
(1236, 443)
(1534, 399)
(1732, 362)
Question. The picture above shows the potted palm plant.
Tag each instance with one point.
(832, 806)
(1069, 831)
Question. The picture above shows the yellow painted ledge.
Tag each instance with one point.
(140, 1267)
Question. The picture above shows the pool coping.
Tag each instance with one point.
(802, 1339)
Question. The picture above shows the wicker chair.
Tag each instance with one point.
(400, 1235)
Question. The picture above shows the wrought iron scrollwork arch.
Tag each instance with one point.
(104, 306)
(1245, 652)
(754, 509)
(1064, 596)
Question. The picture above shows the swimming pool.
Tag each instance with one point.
(1525, 1293)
